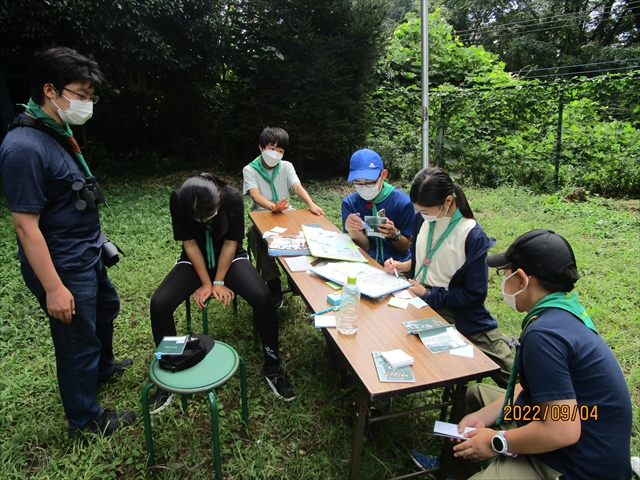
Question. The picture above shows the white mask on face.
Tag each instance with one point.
(368, 192)
(206, 219)
(433, 218)
(271, 157)
(78, 112)
(511, 299)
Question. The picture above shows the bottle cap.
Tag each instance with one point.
(351, 281)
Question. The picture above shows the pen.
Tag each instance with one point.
(326, 310)
(395, 270)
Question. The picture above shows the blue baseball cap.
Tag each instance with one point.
(365, 164)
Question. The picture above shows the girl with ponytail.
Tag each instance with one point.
(447, 267)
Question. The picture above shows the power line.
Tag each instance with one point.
(578, 65)
(555, 75)
(541, 20)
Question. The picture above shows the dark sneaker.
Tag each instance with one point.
(159, 401)
(280, 385)
(347, 383)
(107, 423)
(119, 368)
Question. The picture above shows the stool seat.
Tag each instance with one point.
(220, 364)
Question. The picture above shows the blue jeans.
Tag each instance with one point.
(83, 347)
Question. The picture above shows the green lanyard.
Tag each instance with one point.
(384, 193)
(211, 259)
(269, 177)
(455, 218)
(562, 300)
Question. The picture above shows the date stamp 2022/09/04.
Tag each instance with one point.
(533, 413)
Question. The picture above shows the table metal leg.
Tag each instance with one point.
(362, 411)
(457, 412)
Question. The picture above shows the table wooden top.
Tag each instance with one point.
(379, 326)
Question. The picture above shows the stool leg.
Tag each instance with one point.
(183, 397)
(205, 320)
(147, 423)
(188, 305)
(215, 432)
(243, 390)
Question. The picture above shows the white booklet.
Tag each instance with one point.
(397, 358)
(446, 429)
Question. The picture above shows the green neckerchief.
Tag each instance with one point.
(381, 197)
(455, 218)
(211, 259)
(268, 176)
(33, 109)
(562, 300)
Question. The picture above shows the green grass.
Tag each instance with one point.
(311, 437)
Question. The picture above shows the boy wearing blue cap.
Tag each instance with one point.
(377, 198)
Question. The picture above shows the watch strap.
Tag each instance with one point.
(218, 282)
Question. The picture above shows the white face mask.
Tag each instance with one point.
(78, 112)
(511, 299)
(205, 220)
(368, 192)
(271, 157)
(433, 218)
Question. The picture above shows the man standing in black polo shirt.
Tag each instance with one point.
(46, 181)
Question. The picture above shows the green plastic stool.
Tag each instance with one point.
(220, 364)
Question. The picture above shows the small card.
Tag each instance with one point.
(172, 345)
(405, 294)
(298, 264)
(325, 321)
(269, 234)
(398, 303)
(334, 285)
(463, 351)
(397, 358)
(450, 430)
(386, 373)
(279, 229)
(417, 302)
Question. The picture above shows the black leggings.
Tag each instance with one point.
(242, 278)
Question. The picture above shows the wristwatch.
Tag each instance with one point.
(500, 445)
(219, 282)
(398, 236)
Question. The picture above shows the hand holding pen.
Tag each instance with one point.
(395, 270)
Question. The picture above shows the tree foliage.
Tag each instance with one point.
(199, 78)
(529, 34)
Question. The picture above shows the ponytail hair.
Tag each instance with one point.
(201, 196)
(431, 187)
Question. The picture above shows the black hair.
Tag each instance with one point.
(431, 187)
(275, 135)
(563, 283)
(202, 196)
(61, 66)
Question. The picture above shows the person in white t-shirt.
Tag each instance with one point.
(268, 180)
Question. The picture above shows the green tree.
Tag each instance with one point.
(307, 66)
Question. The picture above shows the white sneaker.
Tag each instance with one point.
(635, 466)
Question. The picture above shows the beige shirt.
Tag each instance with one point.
(449, 257)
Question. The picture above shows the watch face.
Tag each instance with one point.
(498, 444)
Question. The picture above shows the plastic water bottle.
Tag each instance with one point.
(349, 308)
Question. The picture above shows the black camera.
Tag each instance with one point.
(89, 194)
(109, 251)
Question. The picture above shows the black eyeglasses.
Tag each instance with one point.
(500, 271)
(368, 184)
(83, 98)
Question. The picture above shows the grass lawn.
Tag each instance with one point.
(310, 437)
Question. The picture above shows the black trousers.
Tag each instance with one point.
(242, 278)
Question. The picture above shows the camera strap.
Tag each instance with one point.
(27, 121)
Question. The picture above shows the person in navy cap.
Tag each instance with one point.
(375, 197)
